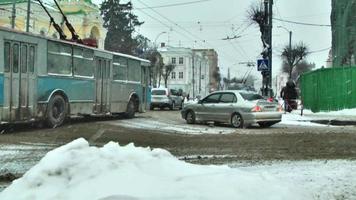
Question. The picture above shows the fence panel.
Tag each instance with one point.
(329, 89)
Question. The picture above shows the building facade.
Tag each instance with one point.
(82, 14)
(192, 72)
(212, 56)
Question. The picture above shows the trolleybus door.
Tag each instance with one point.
(102, 72)
(17, 75)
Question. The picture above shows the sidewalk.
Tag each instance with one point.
(341, 117)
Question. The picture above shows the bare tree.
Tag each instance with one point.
(156, 67)
(302, 67)
(292, 56)
(166, 72)
(217, 77)
(256, 15)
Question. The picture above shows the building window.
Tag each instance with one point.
(202, 76)
(180, 75)
(173, 60)
(180, 60)
(173, 75)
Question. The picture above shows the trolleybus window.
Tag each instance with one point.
(120, 68)
(24, 58)
(7, 57)
(59, 58)
(134, 72)
(83, 62)
(31, 63)
(15, 64)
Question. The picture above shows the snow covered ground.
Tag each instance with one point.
(78, 171)
(21, 157)
(180, 126)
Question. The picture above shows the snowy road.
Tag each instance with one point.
(293, 141)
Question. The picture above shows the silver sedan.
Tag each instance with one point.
(237, 107)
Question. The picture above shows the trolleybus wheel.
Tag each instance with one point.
(130, 110)
(56, 111)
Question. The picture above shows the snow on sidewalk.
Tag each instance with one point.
(295, 117)
(78, 171)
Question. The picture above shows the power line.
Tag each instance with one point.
(169, 27)
(302, 23)
(320, 50)
(173, 5)
(200, 40)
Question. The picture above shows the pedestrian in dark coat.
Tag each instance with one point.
(289, 95)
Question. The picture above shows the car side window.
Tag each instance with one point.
(228, 98)
(214, 98)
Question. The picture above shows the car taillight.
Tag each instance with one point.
(256, 109)
(280, 109)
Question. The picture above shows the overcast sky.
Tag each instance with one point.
(203, 24)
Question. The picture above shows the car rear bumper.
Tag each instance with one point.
(252, 118)
(160, 104)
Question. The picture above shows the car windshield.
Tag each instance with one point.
(251, 96)
(158, 92)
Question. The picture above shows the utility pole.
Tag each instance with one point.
(270, 91)
(193, 81)
(13, 15)
(267, 54)
(28, 15)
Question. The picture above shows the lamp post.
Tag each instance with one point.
(290, 36)
(159, 34)
(290, 47)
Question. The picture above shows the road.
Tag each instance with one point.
(21, 146)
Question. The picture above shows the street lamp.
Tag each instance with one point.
(161, 33)
(290, 36)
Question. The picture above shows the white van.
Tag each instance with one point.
(164, 97)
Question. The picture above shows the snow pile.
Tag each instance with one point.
(78, 171)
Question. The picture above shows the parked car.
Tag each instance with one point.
(164, 97)
(239, 108)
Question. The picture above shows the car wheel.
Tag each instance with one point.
(266, 124)
(56, 111)
(173, 105)
(181, 106)
(237, 121)
(190, 117)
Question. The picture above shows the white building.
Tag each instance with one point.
(191, 73)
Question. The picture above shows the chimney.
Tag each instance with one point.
(163, 44)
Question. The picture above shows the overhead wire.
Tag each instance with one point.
(202, 42)
(174, 4)
(302, 23)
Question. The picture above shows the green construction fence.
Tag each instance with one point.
(329, 89)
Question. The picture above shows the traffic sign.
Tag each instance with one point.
(262, 65)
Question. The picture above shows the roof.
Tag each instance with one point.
(72, 43)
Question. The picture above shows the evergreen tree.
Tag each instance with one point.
(120, 23)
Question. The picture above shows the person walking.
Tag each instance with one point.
(289, 95)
